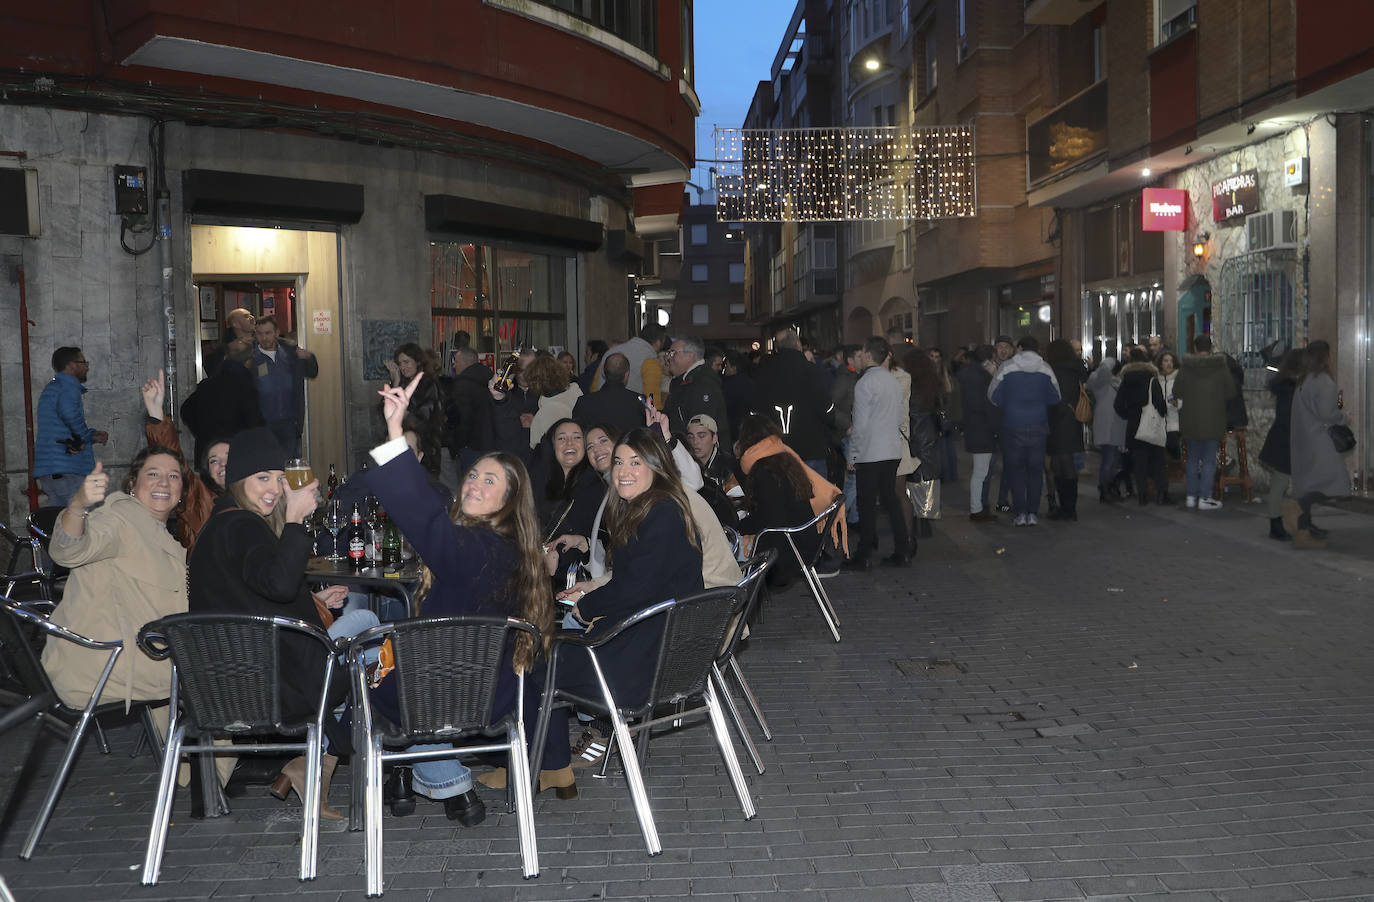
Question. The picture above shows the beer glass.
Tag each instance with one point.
(298, 474)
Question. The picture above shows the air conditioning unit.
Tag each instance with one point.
(1271, 229)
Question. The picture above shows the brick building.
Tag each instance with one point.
(1255, 116)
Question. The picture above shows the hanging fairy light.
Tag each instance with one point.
(845, 174)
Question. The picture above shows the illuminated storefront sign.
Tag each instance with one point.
(1235, 195)
(1163, 210)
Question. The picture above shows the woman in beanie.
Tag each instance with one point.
(250, 558)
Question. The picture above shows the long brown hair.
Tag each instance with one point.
(276, 519)
(516, 522)
(755, 428)
(623, 518)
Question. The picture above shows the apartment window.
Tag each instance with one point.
(701, 314)
(699, 234)
(929, 53)
(736, 273)
(688, 66)
(737, 313)
(961, 44)
(1174, 17)
(700, 272)
(903, 20)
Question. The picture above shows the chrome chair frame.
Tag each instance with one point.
(370, 741)
(755, 570)
(621, 738)
(827, 518)
(157, 645)
(61, 715)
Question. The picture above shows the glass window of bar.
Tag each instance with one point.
(635, 21)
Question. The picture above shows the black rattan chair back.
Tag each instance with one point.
(41, 523)
(693, 633)
(227, 668)
(751, 588)
(447, 670)
(20, 645)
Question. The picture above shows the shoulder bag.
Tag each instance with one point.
(1342, 437)
(1083, 412)
(1153, 429)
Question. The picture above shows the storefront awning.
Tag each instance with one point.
(465, 216)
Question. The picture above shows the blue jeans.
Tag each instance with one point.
(1023, 455)
(851, 490)
(440, 778)
(60, 488)
(1111, 463)
(1202, 467)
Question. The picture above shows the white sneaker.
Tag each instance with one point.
(1190, 502)
(1031, 520)
(1208, 504)
(1020, 520)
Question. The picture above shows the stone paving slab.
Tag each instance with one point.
(1148, 704)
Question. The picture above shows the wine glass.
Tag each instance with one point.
(334, 522)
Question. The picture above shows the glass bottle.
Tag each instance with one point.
(357, 541)
(505, 377)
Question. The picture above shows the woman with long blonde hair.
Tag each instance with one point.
(482, 556)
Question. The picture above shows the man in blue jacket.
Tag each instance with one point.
(1024, 388)
(281, 369)
(62, 455)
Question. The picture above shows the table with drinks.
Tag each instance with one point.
(377, 560)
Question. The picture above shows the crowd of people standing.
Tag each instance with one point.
(642, 476)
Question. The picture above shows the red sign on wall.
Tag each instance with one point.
(1164, 210)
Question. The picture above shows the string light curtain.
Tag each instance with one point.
(845, 174)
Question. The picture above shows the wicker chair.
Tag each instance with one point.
(447, 671)
(225, 674)
(20, 623)
(822, 521)
(695, 629)
(52, 577)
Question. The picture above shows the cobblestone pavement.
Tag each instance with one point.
(1148, 703)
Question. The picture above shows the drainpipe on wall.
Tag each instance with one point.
(164, 255)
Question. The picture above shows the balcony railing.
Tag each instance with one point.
(1074, 131)
(635, 21)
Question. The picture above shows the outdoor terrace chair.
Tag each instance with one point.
(446, 670)
(750, 587)
(824, 520)
(694, 631)
(20, 624)
(52, 577)
(226, 677)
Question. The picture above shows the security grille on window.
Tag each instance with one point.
(1259, 305)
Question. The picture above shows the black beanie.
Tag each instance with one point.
(253, 451)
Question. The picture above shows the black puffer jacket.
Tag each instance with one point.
(981, 418)
(1276, 453)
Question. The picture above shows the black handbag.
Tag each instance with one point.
(1342, 437)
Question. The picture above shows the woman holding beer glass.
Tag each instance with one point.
(250, 559)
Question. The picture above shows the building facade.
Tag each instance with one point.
(1213, 177)
(368, 175)
(709, 301)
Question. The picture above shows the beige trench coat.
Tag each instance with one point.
(127, 570)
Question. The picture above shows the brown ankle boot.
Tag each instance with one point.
(561, 781)
(293, 778)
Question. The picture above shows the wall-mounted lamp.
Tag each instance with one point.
(1200, 244)
(872, 64)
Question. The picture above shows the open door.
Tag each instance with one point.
(294, 275)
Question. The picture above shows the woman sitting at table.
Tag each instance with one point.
(656, 555)
(250, 559)
(567, 496)
(482, 557)
(201, 487)
(126, 570)
(782, 492)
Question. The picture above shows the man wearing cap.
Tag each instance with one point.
(717, 464)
